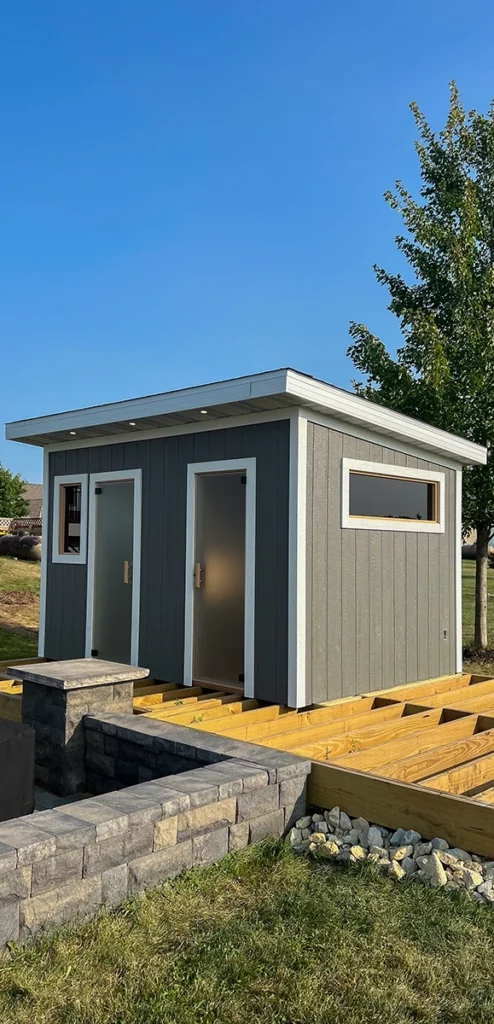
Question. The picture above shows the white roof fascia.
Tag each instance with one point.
(358, 410)
(257, 386)
(309, 392)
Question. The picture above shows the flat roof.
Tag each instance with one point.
(258, 393)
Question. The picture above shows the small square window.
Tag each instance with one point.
(70, 519)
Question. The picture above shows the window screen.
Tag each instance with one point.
(70, 525)
(386, 497)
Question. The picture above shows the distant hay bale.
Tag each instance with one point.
(27, 547)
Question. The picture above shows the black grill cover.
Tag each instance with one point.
(16, 770)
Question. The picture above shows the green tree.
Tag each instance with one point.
(444, 371)
(12, 489)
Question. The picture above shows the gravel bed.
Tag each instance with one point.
(332, 835)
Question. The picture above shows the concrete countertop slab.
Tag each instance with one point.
(77, 673)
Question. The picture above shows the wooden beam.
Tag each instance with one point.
(229, 728)
(316, 724)
(150, 689)
(185, 692)
(4, 665)
(410, 748)
(199, 707)
(371, 737)
(423, 765)
(486, 796)
(168, 707)
(11, 707)
(463, 822)
(358, 729)
(461, 697)
(465, 777)
(178, 698)
(471, 705)
(424, 688)
(10, 686)
(204, 712)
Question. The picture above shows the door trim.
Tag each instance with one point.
(194, 469)
(94, 480)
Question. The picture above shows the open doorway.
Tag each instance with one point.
(114, 567)
(219, 633)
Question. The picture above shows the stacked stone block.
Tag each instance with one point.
(56, 696)
(57, 718)
(60, 865)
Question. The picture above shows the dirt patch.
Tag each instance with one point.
(21, 630)
(19, 612)
(17, 597)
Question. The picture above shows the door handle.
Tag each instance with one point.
(198, 575)
(127, 572)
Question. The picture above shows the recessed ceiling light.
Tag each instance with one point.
(204, 412)
(132, 423)
(72, 432)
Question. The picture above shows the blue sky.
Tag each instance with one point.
(193, 190)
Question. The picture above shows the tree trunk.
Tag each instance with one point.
(483, 531)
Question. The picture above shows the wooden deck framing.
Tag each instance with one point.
(419, 755)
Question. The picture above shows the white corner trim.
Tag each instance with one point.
(58, 483)
(297, 559)
(458, 573)
(394, 525)
(195, 469)
(94, 480)
(44, 557)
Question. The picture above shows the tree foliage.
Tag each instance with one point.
(12, 491)
(444, 371)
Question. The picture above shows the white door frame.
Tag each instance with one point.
(195, 469)
(95, 479)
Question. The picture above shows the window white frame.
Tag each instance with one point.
(95, 480)
(395, 525)
(195, 469)
(58, 482)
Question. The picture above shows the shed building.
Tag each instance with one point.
(272, 533)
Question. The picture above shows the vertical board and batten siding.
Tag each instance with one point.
(163, 462)
(378, 602)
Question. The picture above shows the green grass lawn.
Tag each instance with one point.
(18, 621)
(266, 936)
(468, 574)
(469, 603)
(16, 646)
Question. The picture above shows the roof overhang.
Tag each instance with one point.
(262, 392)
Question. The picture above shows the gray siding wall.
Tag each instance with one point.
(164, 480)
(378, 602)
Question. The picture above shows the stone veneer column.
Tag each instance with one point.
(55, 697)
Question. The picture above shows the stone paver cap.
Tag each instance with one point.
(77, 673)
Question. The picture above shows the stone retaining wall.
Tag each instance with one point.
(59, 865)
